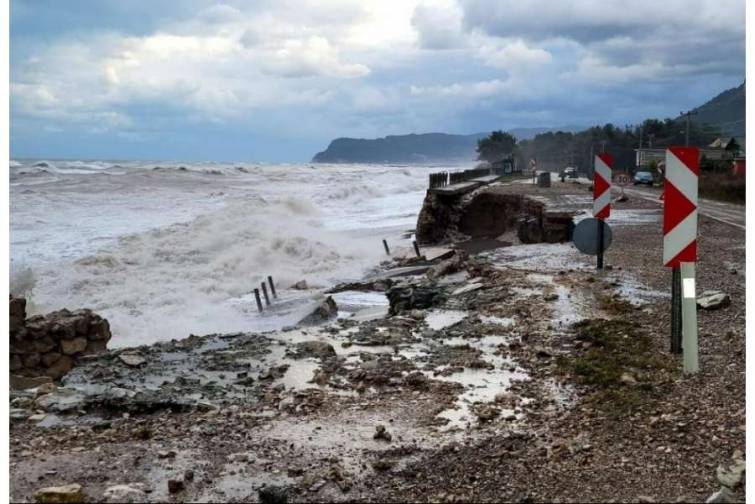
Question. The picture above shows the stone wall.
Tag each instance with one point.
(50, 344)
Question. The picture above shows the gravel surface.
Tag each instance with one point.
(525, 376)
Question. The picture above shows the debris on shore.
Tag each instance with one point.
(493, 376)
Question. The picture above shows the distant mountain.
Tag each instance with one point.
(726, 112)
(414, 148)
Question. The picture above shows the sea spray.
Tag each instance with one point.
(174, 251)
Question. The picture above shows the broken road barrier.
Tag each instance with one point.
(272, 287)
(257, 298)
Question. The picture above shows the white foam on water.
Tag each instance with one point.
(166, 249)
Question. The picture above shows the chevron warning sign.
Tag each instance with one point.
(601, 186)
(680, 206)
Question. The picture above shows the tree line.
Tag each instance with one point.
(554, 151)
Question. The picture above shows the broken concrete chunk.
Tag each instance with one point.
(315, 348)
(713, 300)
(60, 494)
(731, 475)
(724, 495)
(132, 359)
(325, 310)
(125, 493)
(25, 382)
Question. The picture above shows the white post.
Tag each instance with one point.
(689, 318)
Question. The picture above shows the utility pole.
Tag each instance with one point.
(686, 134)
(639, 154)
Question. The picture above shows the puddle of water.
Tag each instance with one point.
(570, 306)
(539, 256)
(480, 385)
(440, 319)
(527, 291)
(631, 217)
(299, 373)
(636, 293)
(502, 321)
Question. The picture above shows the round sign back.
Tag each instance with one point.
(586, 236)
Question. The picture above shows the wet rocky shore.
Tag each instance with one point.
(514, 373)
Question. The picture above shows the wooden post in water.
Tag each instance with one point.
(416, 248)
(257, 298)
(264, 291)
(272, 286)
(387, 250)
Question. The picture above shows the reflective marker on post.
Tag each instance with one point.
(680, 245)
(689, 318)
(601, 193)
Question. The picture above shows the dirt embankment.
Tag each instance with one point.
(488, 213)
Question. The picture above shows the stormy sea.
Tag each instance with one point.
(168, 249)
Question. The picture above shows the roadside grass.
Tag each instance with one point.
(620, 363)
(722, 187)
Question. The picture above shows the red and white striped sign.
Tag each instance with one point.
(601, 186)
(680, 206)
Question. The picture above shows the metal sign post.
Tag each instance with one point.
(680, 239)
(601, 194)
(689, 318)
(622, 180)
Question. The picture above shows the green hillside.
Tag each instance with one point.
(726, 112)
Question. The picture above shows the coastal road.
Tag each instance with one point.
(728, 213)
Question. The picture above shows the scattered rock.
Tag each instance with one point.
(325, 310)
(175, 486)
(133, 492)
(26, 382)
(628, 379)
(73, 346)
(382, 464)
(132, 359)
(300, 285)
(60, 494)
(731, 475)
(723, 496)
(550, 297)
(713, 300)
(408, 296)
(315, 348)
(486, 412)
(381, 433)
(270, 494)
(416, 380)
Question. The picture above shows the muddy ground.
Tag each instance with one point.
(523, 376)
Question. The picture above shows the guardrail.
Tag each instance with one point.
(443, 179)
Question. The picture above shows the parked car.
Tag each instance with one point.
(568, 172)
(643, 177)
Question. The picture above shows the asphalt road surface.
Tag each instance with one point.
(728, 213)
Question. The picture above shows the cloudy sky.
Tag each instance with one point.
(276, 80)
